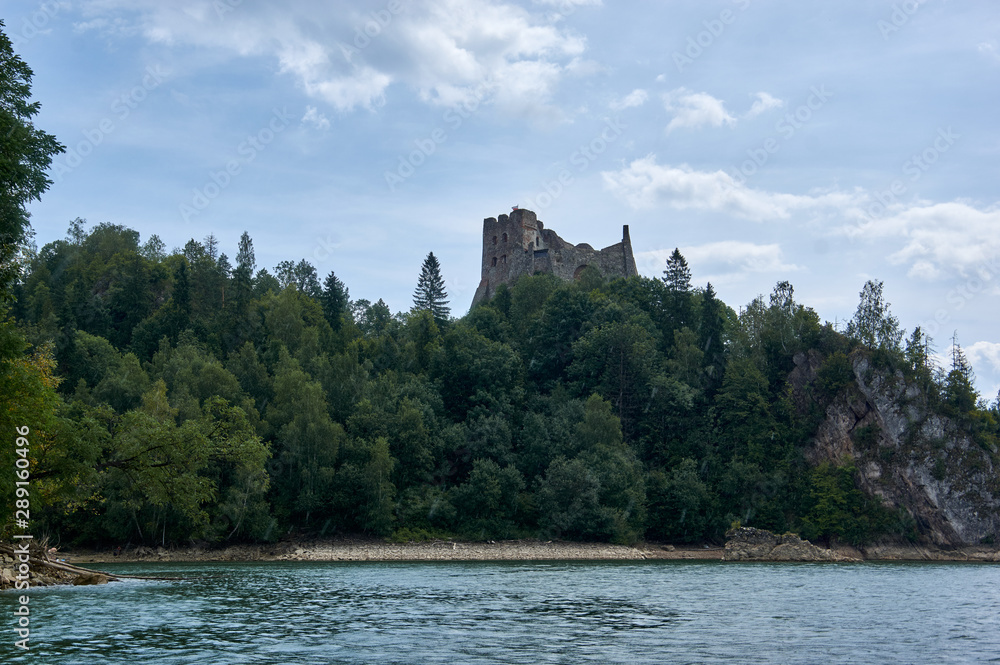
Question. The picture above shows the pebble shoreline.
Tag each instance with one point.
(376, 550)
(373, 550)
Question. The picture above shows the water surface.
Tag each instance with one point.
(519, 612)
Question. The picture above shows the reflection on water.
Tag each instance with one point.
(508, 612)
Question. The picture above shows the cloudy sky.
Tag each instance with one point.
(820, 143)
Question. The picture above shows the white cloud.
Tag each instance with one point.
(695, 109)
(942, 239)
(744, 256)
(934, 241)
(988, 352)
(989, 50)
(315, 118)
(644, 184)
(764, 102)
(637, 97)
(448, 51)
(722, 258)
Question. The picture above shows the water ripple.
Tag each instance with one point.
(511, 612)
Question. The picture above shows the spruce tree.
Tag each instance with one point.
(710, 332)
(677, 276)
(677, 298)
(335, 300)
(959, 387)
(246, 264)
(430, 293)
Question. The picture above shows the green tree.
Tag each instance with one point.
(246, 264)
(363, 492)
(711, 332)
(335, 300)
(841, 511)
(488, 502)
(600, 494)
(25, 154)
(959, 388)
(873, 325)
(472, 371)
(306, 443)
(617, 359)
(563, 320)
(919, 356)
(680, 504)
(677, 295)
(430, 294)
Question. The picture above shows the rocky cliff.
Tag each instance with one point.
(905, 453)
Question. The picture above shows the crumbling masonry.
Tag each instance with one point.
(518, 244)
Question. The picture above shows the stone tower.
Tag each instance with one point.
(519, 244)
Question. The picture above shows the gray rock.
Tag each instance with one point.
(750, 544)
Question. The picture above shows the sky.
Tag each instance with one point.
(821, 143)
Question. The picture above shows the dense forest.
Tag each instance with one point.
(178, 397)
(194, 399)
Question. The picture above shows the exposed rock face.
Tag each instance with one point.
(749, 544)
(905, 454)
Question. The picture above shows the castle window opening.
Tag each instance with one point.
(537, 241)
(494, 258)
(503, 259)
(494, 240)
(505, 237)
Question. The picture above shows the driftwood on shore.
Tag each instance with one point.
(43, 571)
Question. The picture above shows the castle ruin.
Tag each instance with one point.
(518, 244)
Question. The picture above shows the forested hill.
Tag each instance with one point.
(186, 396)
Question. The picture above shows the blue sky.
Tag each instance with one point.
(820, 143)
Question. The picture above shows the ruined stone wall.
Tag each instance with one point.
(519, 244)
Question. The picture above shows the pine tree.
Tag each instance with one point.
(710, 332)
(677, 276)
(246, 264)
(430, 293)
(335, 300)
(677, 298)
(960, 389)
(918, 355)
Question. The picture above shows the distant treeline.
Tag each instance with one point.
(179, 397)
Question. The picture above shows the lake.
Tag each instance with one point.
(519, 612)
